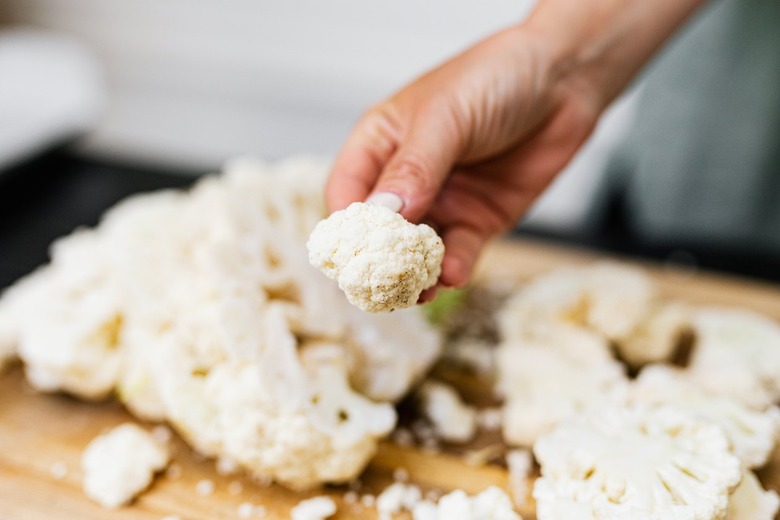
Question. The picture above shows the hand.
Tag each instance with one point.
(467, 147)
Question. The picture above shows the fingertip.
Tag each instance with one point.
(455, 271)
(428, 295)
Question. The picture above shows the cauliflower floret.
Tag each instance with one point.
(121, 463)
(543, 384)
(69, 320)
(395, 498)
(491, 504)
(381, 261)
(750, 501)
(317, 508)
(737, 353)
(752, 434)
(635, 463)
(452, 419)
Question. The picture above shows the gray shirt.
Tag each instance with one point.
(702, 162)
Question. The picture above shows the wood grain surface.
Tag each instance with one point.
(39, 432)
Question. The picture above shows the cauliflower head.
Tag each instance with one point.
(491, 504)
(636, 463)
(381, 261)
(200, 308)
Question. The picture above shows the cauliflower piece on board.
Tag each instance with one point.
(317, 508)
(491, 504)
(452, 419)
(636, 463)
(750, 501)
(616, 302)
(752, 434)
(396, 498)
(381, 261)
(737, 353)
(543, 384)
(121, 463)
(200, 308)
(519, 462)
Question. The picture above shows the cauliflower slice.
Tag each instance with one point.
(737, 353)
(635, 463)
(616, 302)
(491, 504)
(452, 419)
(750, 501)
(752, 434)
(381, 261)
(121, 463)
(543, 384)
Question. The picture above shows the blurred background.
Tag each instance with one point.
(101, 98)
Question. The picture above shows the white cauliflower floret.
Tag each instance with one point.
(452, 419)
(69, 320)
(317, 508)
(209, 316)
(752, 434)
(750, 501)
(737, 353)
(637, 463)
(491, 504)
(381, 261)
(121, 463)
(395, 498)
(543, 384)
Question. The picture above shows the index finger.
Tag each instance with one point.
(361, 160)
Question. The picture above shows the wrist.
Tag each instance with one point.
(601, 45)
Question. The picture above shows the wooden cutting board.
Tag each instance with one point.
(42, 435)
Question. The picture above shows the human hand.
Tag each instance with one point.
(468, 147)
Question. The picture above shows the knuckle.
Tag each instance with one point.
(415, 170)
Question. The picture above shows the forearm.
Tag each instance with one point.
(604, 43)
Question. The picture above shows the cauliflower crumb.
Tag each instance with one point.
(634, 462)
(317, 508)
(59, 470)
(452, 419)
(121, 463)
(750, 501)
(396, 498)
(381, 261)
(519, 462)
(205, 487)
(491, 504)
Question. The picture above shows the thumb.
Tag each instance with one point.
(415, 173)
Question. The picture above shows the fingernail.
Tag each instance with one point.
(387, 200)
